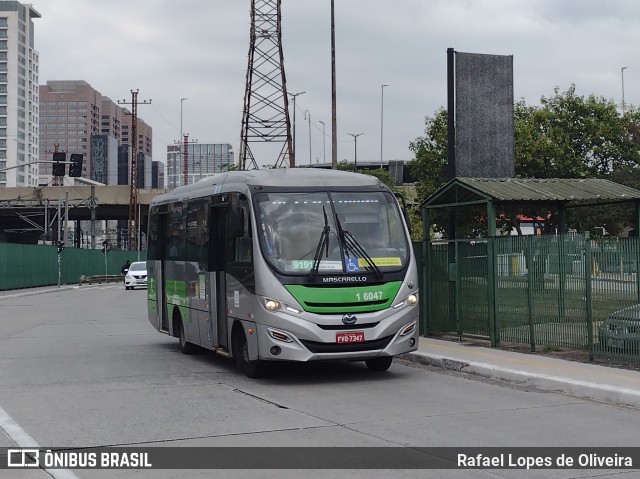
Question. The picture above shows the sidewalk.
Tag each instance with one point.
(601, 383)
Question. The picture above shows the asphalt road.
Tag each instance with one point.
(82, 367)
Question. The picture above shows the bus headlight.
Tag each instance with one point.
(272, 304)
(410, 300)
(275, 305)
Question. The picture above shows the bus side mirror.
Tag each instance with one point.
(243, 250)
(236, 222)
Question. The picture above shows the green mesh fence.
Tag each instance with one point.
(565, 291)
(25, 266)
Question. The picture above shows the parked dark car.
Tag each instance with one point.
(621, 329)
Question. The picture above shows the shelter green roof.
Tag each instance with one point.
(564, 191)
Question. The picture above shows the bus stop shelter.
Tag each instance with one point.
(557, 193)
(465, 265)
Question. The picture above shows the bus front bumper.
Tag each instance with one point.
(389, 338)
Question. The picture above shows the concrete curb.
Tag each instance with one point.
(599, 392)
(52, 289)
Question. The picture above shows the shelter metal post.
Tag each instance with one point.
(587, 276)
(426, 277)
(562, 220)
(494, 332)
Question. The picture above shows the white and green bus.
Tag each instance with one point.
(284, 265)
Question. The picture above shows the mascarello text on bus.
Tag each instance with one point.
(284, 265)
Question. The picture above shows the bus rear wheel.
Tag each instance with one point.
(252, 369)
(381, 363)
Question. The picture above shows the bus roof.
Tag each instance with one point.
(285, 177)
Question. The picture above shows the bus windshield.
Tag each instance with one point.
(291, 228)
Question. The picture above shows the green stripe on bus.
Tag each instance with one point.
(352, 299)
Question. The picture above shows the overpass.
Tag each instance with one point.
(25, 210)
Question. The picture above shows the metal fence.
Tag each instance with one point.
(25, 266)
(565, 291)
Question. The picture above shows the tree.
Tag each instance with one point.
(429, 164)
(567, 136)
(570, 136)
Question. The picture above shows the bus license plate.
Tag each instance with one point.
(350, 337)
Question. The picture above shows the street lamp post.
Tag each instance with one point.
(307, 116)
(324, 142)
(622, 72)
(293, 146)
(381, 120)
(355, 149)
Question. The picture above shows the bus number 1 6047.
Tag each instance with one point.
(369, 296)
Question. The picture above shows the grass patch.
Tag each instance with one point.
(547, 348)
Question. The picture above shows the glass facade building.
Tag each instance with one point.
(203, 159)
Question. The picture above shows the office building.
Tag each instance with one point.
(76, 118)
(19, 71)
(203, 159)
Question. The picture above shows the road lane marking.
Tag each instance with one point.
(23, 440)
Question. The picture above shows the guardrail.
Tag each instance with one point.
(100, 278)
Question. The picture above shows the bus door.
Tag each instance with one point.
(159, 276)
(217, 271)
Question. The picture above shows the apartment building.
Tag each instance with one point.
(19, 71)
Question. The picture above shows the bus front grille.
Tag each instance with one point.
(320, 348)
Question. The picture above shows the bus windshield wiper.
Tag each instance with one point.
(323, 243)
(351, 244)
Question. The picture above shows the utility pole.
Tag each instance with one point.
(58, 183)
(334, 127)
(622, 72)
(184, 148)
(133, 177)
(307, 116)
(292, 161)
(324, 149)
(381, 120)
(355, 149)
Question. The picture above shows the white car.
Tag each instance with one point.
(136, 275)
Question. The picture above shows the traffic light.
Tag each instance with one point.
(60, 246)
(59, 167)
(75, 168)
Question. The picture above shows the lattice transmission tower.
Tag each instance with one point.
(265, 117)
(134, 218)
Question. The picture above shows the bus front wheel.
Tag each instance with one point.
(185, 346)
(252, 369)
(381, 363)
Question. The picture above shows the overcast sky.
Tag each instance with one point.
(198, 49)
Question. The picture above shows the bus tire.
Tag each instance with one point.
(381, 363)
(185, 346)
(251, 369)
